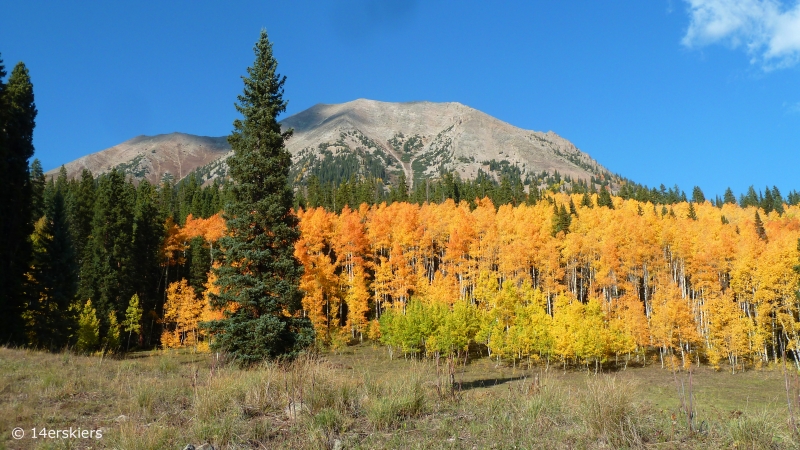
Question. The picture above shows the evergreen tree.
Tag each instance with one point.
(80, 209)
(692, 214)
(587, 200)
(760, 231)
(146, 275)
(199, 263)
(259, 272)
(768, 203)
(561, 220)
(53, 280)
(17, 121)
(604, 199)
(728, 197)
(572, 210)
(697, 195)
(533, 195)
(38, 183)
(107, 273)
(400, 194)
(777, 201)
(504, 195)
(751, 199)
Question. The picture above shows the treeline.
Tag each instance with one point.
(102, 249)
(509, 188)
(561, 280)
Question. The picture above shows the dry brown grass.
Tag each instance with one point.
(360, 399)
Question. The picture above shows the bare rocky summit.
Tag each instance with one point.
(172, 155)
(424, 139)
(363, 137)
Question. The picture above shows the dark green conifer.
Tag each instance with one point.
(768, 202)
(17, 121)
(587, 200)
(107, 272)
(533, 195)
(697, 195)
(53, 280)
(760, 231)
(777, 201)
(148, 236)
(751, 199)
(80, 210)
(692, 214)
(604, 199)
(728, 197)
(259, 272)
(38, 183)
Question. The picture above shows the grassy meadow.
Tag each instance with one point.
(359, 398)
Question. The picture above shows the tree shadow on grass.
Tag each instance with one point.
(486, 382)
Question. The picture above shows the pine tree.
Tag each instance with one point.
(53, 280)
(697, 195)
(259, 272)
(400, 194)
(107, 273)
(728, 197)
(38, 183)
(148, 236)
(777, 201)
(572, 210)
(80, 210)
(604, 199)
(768, 202)
(760, 231)
(692, 214)
(17, 121)
(586, 200)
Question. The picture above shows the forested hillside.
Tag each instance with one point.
(575, 277)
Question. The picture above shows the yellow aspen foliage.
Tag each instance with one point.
(182, 312)
(88, 335)
(699, 285)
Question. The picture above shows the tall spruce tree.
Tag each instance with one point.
(17, 121)
(604, 199)
(53, 279)
(729, 197)
(148, 236)
(697, 195)
(80, 209)
(759, 226)
(258, 272)
(107, 272)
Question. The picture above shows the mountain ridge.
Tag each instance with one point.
(419, 139)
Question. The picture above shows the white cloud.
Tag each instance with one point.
(767, 29)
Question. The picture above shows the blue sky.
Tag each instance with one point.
(693, 92)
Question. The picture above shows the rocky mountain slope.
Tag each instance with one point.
(172, 155)
(365, 137)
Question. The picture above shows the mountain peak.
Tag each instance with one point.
(364, 137)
